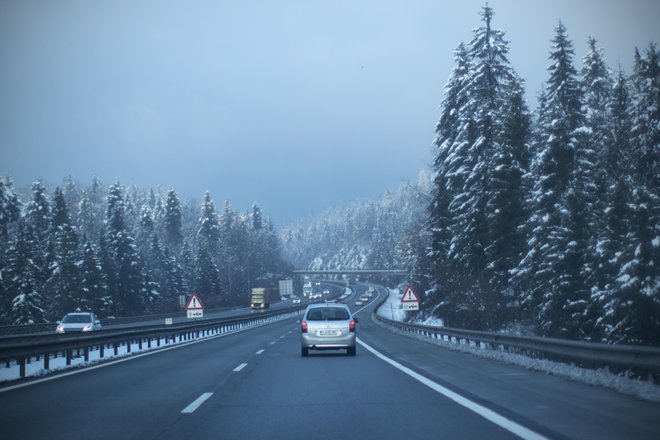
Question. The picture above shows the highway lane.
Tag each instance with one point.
(275, 393)
(553, 406)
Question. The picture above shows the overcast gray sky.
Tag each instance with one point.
(297, 105)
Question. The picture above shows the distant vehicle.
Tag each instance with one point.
(358, 303)
(261, 298)
(78, 322)
(307, 289)
(328, 326)
(296, 300)
(326, 291)
(364, 298)
(286, 288)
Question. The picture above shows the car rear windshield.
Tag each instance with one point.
(328, 314)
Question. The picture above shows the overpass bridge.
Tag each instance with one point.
(394, 272)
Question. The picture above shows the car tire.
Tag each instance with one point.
(350, 351)
(304, 351)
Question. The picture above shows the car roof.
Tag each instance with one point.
(327, 304)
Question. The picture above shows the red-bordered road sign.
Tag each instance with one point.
(409, 296)
(195, 307)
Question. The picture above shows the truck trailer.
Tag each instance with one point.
(261, 297)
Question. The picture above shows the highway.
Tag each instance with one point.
(255, 385)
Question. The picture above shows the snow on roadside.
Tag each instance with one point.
(601, 377)
(36, 367)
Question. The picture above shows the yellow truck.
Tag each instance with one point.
(260, 298)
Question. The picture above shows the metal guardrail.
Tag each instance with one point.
(49, 327)
(43, 347)
(587, 354)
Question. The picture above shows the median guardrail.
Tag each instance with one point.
(586, 354)
(26, 348)
(49, 327)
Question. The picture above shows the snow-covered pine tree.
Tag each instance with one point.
(634, 304)
(94, 284)
(256, 217)
(172, 220)
(207, 280)
(23, 301)
(128, 287)
(555, 266)
(506, 189)
(63, 286)
(10, 210)
(646, 117)
(443, 296)
(208, 231)
(37, 211)
(480, 160)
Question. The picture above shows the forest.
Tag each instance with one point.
(124, 251)
(544, 222)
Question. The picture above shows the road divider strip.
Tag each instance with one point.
(488, 414)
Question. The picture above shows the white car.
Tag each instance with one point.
(328, 326)
(358, 303)
(78, 322)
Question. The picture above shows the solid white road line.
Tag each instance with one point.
(484, 412)
(123, 359)
(196, 404)
(240, 367)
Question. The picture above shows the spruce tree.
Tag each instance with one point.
(94, 285)
(64, 282)
(172, 220)
(23, 300)
(208, 232)
(553, 266)
(10, 209)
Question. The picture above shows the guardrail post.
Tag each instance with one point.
(21, 363)
(46, 361)
(86, 354)
(128, 345)
(69, 356)
(116, 348)
(101, 349)
(140, 343)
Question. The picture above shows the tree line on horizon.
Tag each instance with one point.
(121, 251)
(551, 219)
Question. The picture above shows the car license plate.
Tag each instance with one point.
(329, 333)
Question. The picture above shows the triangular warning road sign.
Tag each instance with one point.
(194, 303)
(409, 295)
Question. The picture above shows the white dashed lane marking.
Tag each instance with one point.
(196, 404)
(240, 367)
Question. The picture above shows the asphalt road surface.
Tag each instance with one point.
(255, 385)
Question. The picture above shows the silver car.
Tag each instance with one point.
(79, 322)
(328, 326)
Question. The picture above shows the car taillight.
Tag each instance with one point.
(351, 326)
(303, 327)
